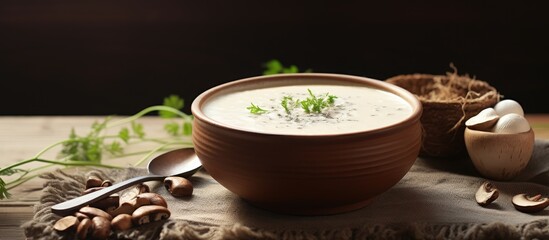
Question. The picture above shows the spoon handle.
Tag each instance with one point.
(70, 206)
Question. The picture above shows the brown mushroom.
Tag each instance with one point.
(93, 181)
(144, 188)
(92, 212)
(80, 216)
(66, 223)
(107, 204)
(130, 206)
(132, 192)
(106, 183)
(122, 222)
(178, 186)
(149, 213)
(527, 204)
(486, 194)
(154, 199)
(101, 228)
(85, 227)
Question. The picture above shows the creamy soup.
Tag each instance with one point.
(279, 110)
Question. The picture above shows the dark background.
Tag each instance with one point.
(117, 57)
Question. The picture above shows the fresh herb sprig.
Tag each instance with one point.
(256, 109)
(317, 104)
(289, 104)
(313, 103)
(88, 150)
(275, 67)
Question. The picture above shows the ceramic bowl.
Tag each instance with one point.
(306, 174)
(499, 156)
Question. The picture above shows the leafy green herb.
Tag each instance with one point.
(285, 104)
(173, 101)
(275, 67)
(317, 104)
(331, 99)
(89, 149)
(3, 190)
(124, 134)
(115, 148)
(172, 128)
(187, 128)
(256, 109)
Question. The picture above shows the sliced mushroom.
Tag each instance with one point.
(122, 222)
(92, 212)
(154, 199)
(80, 216)
(483, 121)
(132, 192)
(93, 181)
(84, 228)
(178, 186)
(124, 208)
(486, 194)
(528, 204)
(106, 183)
(101, 228)
(150, 213)
(107, 204)
(66, 223)
(130, 206)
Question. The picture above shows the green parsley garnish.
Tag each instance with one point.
(313, 104)
(256, 109)
(286, 106)
(316, 104)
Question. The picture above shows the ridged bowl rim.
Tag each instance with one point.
(200, 100)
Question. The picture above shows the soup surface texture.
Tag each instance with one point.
(345, 109)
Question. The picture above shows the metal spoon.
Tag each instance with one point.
(181, 162)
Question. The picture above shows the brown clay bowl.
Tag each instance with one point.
(306, 174)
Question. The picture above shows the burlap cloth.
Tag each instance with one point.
(435, 200)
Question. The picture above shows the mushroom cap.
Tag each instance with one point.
(511, 123)
(92, 212)
(154, 199)
(122, 222)
(483, 121)
(178, 186)
(101, 228)
(84, 228)
(107, 204)
(66, 223)
(486, 194)
(93, 181)
(508, 106)
(528, 204)
(150, 213)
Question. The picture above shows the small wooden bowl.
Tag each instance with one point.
(306, 174)
(499, 156)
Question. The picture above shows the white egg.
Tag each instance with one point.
(508, 106)
(511, 123)
(483, 121)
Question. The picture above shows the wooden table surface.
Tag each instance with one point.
(23, 137)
